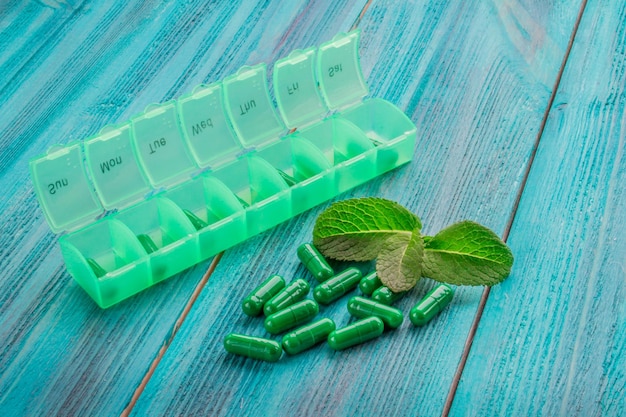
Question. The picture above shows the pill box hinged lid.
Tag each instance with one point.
(248, 103)
(209, 134)
(65, 194)
(308, 83)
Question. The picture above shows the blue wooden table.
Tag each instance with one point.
(520, 108)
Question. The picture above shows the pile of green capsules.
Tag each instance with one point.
(285, 307)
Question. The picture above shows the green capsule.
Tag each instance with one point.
(253, 347)
(292, 293)
(147, 243)
(431, 305)
(292, 316)
(96, 268)
(253, 304)
(370, 283)
(364, 307)
(385, 296)
(288, 178)
(315, 262)
(197, 222)
(356, 333)
(307, 336)
(340, 284)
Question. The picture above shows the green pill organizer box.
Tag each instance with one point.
(202, 173)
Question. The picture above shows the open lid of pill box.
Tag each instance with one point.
(335, 66)
(168, 142)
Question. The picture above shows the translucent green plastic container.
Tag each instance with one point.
(182, 181)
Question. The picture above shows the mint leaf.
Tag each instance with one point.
(357, 229)
(467, 253)
(399, 263)
(362, 229)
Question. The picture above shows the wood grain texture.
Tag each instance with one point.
(475, 78)
(552, 340)
(28, 32)
(60, 353)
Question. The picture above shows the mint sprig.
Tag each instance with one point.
(363, 229)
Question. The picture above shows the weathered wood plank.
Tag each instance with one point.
(552, 338)
(476, 79)
(28, 32)
(61, 354)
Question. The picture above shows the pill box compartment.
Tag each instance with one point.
(114, 247)
(169, 230)
(257, 185)
(391, 131)
(346, 148)
(304, 168)
(221, 218)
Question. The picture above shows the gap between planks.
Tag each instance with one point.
(170, 339)
(483, 299)
(194, 296)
